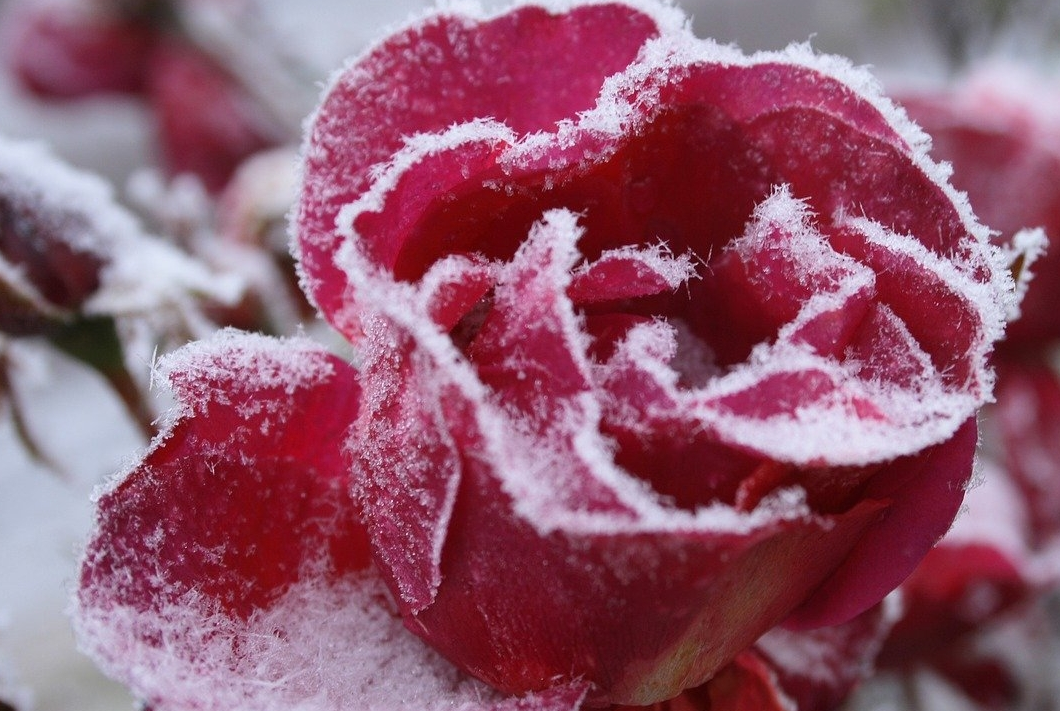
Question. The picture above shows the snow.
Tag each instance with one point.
(321, 647)
(44, 515)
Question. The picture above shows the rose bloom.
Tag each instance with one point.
(659, 345)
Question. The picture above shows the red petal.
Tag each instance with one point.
(242, 491)
(628, 274)
(527, 68)
(925, 492)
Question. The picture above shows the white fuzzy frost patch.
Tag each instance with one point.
(323, 646)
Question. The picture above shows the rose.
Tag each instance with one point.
(630, 341)
(742, 270)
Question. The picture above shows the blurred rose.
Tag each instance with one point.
(1001, 131)
(208, 120)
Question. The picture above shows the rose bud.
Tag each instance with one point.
(662, 344)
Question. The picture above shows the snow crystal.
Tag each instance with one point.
(335, 646)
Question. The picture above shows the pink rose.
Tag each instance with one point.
(660, 345)
(641, 317)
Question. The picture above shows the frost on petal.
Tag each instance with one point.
(242, 497)
(725, 326)
(528, 69)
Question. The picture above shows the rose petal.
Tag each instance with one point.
(490, 70)
(926, 491)
(229, 569)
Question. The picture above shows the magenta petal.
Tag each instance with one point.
(629, 273)
(528, 69)
(409, 509)
(925, 493)
(240, 493)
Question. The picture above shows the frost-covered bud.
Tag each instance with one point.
(69, 250)
(662, 343)
(58, 229)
